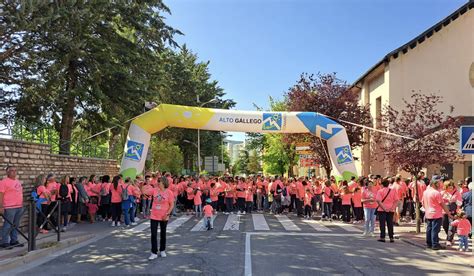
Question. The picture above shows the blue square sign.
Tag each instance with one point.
(134, 150)
(343, 155)
(467, 139)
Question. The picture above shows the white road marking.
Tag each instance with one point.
(287, 223)
(177, 223)
(232, 222)
(347, 227)
(248, 248)
(140, 227)
(317, 225)
(200, 225)
(259, 222)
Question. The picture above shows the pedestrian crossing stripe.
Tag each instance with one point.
(259, 221)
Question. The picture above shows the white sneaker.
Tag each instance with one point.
(162, 254)
(137, 219)
(365, 234)
(372, 234)
(152, 257)
(238, 212)
(243, 213)
(118, 224)
(113, 224)
(134, 223)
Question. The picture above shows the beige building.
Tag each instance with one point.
(439, 61)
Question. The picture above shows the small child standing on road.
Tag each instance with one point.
(208, 212)
(92, 209)
(463, 229)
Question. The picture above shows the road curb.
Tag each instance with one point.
(29, 257)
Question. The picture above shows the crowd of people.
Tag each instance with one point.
(157, 196)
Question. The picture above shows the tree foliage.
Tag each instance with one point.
(330, 96)
(166, 156)
(434, 134)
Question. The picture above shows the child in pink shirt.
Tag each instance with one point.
(208, 212)
(307, 203)
(463, 229)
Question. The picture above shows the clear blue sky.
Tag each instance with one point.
(258, 48)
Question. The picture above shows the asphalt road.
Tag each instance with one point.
(304, 250)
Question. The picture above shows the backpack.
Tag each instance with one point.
(284, 192)
(125, 193)
(63, 191)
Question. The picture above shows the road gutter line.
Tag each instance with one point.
(248, 255)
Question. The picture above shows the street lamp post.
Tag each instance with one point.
(199, 134)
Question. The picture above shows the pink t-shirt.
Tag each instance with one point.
(463, 226)
(432, 201)
(390, 199)
(116, 193)
(53, 189)
(346, 199)
(12, 193)
(327, 194)
(163, 201)
(208, 210)
(357, 199)
(197, 198)
(300, 190)
(44, 193)
(366, 194)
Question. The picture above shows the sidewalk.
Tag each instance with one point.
(47, 243)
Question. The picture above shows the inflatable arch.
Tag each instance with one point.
(166, 115)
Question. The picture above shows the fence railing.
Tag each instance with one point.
(44, 134)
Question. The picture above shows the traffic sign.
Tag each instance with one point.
(467, 139)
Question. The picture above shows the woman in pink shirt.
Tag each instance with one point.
(241, 195)
(45, 196)
(116, 199)
(328, 194)
(198, 202)
(370, 205)
(387, 199)
(105, 198)
(452, 198)
(249, 191)
(346, 204)
(52, 187)
(229, 197)
(357, 201)
(163, 202)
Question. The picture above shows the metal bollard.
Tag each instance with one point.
(59, 220)
(32, 226)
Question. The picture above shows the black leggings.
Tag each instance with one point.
(346, 213)
(307, 210)
(241, 203)
(116, 211)
(386, 218)
(154, 235)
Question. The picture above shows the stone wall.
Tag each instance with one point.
(32, 159)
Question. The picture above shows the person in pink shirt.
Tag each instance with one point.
(463, 229)
(300, 195)
(208, 212)
(346, 197)
(249, 191)
(397, 187)
(229, 197)
(240, 189)
(198, 202)
(11, 206)
(357, 203)
(116, 199)
(387, 199)
(370, 206)
(105, 198)
(52, 187)
(163, 202)
(452, 198)
(433, 205)
(328, 195)
(307, 203)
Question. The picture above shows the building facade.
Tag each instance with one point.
(439, 61)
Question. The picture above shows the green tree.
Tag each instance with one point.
(166, 156)
(241, 165)
(253, 166)
(85, 59)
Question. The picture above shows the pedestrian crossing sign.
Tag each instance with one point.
(467, 139)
